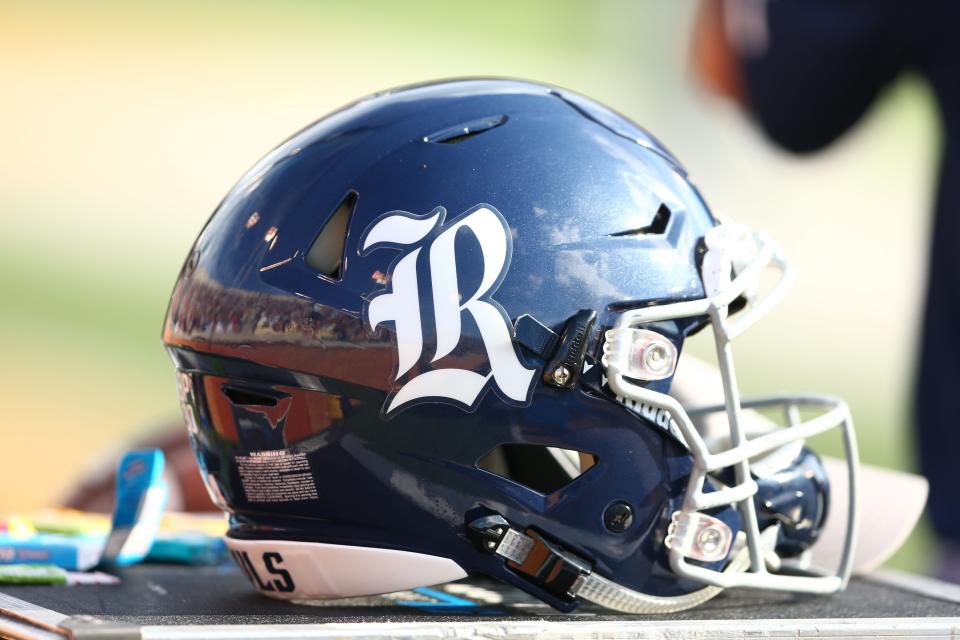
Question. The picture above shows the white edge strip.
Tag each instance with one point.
(848, 629)
(15, 608)
(293, 570)
(923, 585)
(10, 628)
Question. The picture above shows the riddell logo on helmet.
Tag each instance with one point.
(428, 238)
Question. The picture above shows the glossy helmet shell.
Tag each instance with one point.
(274, 355)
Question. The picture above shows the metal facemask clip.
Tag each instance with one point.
(699, 536)
(634, 354)
(639, 353)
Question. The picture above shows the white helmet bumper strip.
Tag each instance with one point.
(293, 570)
(732, 248)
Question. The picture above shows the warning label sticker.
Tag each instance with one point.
(276, 476)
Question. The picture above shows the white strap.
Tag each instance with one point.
(599, 590)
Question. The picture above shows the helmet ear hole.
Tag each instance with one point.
(587, 460)
(326, 254)
(541, 468)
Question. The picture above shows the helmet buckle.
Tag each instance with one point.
(548, 565)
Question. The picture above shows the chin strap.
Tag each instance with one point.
(599, 590)
(568, 576)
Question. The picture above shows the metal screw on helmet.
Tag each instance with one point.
(710, 539)
(561, 375)
(656, 358)
(618, 517)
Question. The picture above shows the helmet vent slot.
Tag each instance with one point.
(657, 226)
(465, 131)
(543, 469)
(248, 397)
(326, 254)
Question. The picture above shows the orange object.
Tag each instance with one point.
(713, 59)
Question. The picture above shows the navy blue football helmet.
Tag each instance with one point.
(435, 333)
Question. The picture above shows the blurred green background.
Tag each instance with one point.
(123, 124)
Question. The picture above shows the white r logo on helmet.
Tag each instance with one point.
(428, 238)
